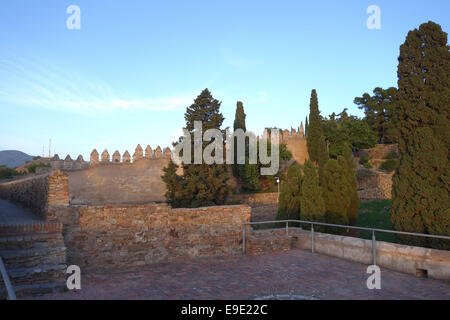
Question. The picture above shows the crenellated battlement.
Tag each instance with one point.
(295, 141)
(68, 164)
(293, 133)
(286, 135)
(138, 155)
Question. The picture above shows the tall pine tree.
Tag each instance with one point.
(421, 201)
(201, 184)
(379, 109)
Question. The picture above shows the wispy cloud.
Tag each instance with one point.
(40, 85)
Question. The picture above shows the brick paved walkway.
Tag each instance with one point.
(13, 214)
(296, 272)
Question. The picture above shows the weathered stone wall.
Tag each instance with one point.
(255, 199)
(38, 192)
(119, 183)
(264, 205)
(296, 143)
(374, 184)
(403, 258)
(380, 151)
(269, 240)
(101, 237)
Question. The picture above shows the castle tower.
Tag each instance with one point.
(302, 132)
(116, 157)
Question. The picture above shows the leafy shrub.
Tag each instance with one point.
(367, 165)
(363, 160)
(8, 172)
(391, 155)
(389, 165)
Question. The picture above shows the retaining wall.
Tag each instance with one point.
(105, 237)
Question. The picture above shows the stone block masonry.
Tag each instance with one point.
(105, 237)
(256, 199)
(38, 192)
(264, 205)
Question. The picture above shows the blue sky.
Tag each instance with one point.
(127, 76)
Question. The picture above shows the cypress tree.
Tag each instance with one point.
(312, 203)
(201, 184)
(250, 175)
(239, 123)
(421, 201)
(306, 125)
(348, 162)
(289, 202)
(317, 147)
(239, 118)
(336, 191)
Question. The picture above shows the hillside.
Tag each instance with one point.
(13, 158)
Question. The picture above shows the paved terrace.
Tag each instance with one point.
(295, 274)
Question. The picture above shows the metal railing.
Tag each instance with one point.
(373, 230)
(8, 285)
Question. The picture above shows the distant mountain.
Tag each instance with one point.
(13, 158)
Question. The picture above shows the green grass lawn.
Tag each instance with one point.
(376, 214)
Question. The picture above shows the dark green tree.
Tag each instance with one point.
(336, 192)
(306, 126)
(312, 203)
(348, 162)
(239, 118)
(421, 201)
(289, 202)
(173, 185)
(378, 110)
(251, 176)
(239, 123)
(345, 132)
(201, 184)
(317, 147)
